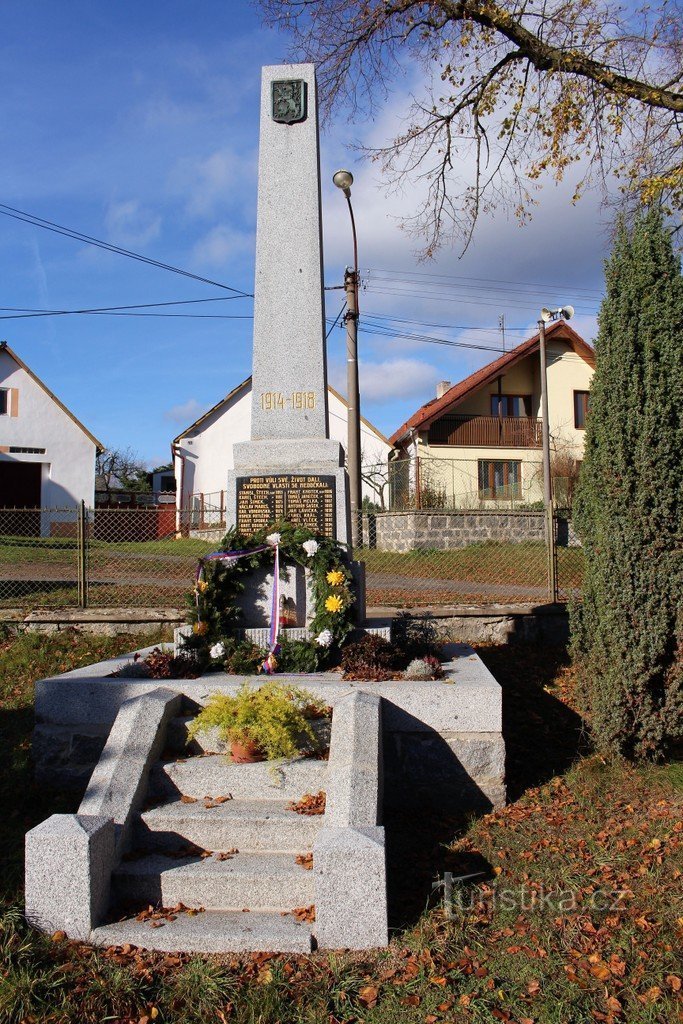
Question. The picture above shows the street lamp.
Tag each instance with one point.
(561, 313)
(344, 180)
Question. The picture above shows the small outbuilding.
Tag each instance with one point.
(47, 456)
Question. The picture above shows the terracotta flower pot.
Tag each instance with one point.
(245, 753)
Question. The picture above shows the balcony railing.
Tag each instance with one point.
(487, 431)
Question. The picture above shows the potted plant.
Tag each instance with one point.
(270, 722)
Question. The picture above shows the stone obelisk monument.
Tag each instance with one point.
(290, 470)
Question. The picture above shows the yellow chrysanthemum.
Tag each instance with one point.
(334, 603)
(200, 628)
(335, 578)
(202, 585)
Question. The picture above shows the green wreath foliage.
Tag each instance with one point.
(216, 617)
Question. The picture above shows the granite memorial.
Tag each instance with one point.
(290, 469)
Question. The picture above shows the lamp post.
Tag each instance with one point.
(561, 313)
(344, 180)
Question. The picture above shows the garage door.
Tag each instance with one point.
(20, 484)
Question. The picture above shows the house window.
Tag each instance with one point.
(499, 480)
(511, 405)
(4, 401)
(580, 409)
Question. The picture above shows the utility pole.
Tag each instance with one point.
(501, 326)
(344, 180)
(353, 455)
(547, 483)
(545, 426)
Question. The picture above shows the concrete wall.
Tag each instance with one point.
(208, 450)
(68, 465)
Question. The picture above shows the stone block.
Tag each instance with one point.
(118, 784)
(86, 748)
(69, 860)
(349, 866)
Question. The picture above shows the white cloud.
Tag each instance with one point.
(129, 223)
(221, 179)
(185, 413)
(396, 378)
(221, 245)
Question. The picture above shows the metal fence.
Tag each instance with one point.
(146, 557)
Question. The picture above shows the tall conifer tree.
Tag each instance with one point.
(627, 634)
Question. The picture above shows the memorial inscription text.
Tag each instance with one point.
(300, 500)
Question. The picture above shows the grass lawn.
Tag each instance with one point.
(576, 916)
(488, 562)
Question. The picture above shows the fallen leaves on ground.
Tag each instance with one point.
(305, 860)
(216, 801)
(309, 803)
(157, 916)
(306, 914)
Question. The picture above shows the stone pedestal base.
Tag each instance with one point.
(299, 457)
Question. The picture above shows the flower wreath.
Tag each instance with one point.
(222, 576)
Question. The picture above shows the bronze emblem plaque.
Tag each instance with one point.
(300, 500)
(289, 101)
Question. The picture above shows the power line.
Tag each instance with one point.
(336, 321)
(59, 229)
(24, 312)
(427, 339)
(451, 327)
(432, 296)
(489, 280)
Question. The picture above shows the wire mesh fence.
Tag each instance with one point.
(40, 553)
(146, 557)
(444, 557)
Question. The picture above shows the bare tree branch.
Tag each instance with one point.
(515, 89)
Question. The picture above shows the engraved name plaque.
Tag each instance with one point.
(300, 500)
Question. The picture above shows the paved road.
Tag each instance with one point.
(384, 585)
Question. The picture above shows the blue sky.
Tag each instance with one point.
(138, 123)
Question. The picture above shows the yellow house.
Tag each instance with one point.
(477, 444)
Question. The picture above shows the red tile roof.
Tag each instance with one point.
(431, 410)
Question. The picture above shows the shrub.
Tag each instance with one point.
(371, 657)
(627, 634)
(298, 656)
(160, 664)
(415, 638)
(274, 717)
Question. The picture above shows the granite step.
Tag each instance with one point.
(214, 931)
(259, 881)
(215, 775)
(245, 824)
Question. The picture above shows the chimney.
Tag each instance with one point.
(442, 387)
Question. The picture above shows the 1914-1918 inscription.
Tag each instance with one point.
(301, 500)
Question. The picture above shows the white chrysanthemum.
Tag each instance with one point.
(273, 538)
(310, 547)
(217, 651)
(325, 638)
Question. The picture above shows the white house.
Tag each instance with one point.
(47, 456)
(202, 453)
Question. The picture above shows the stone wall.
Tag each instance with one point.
(445, 531)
